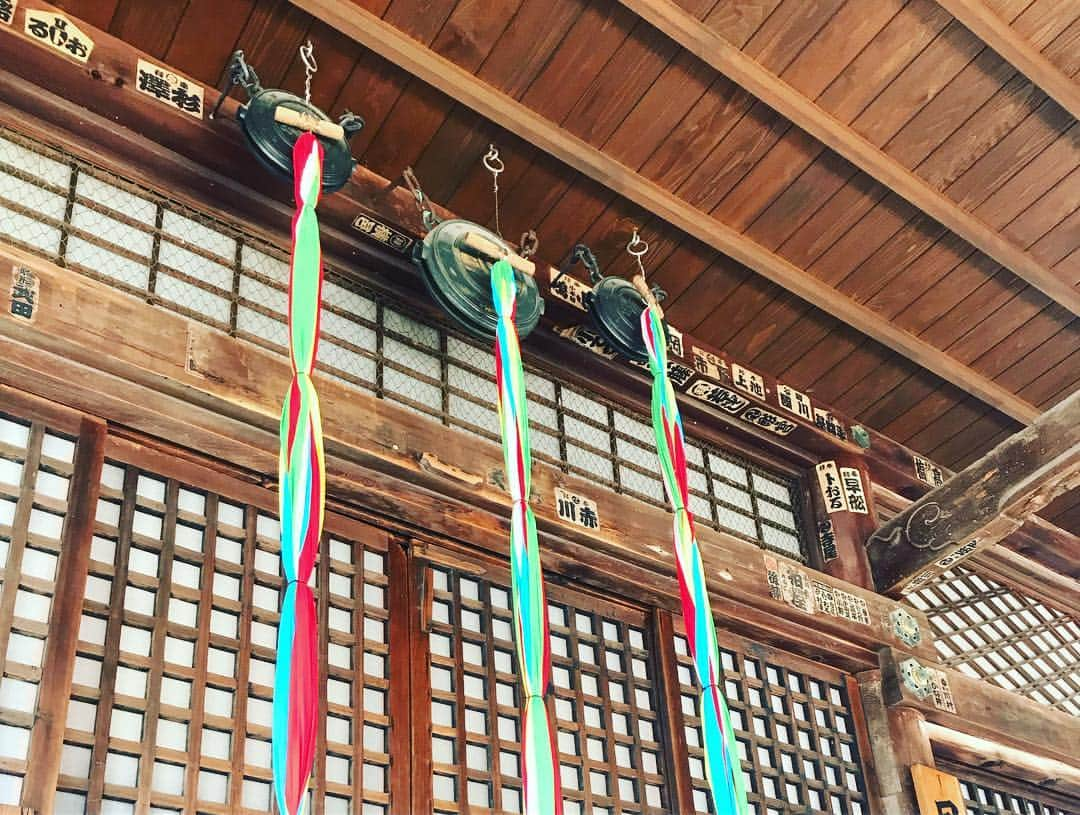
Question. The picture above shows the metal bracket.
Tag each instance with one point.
(427, 216)
(905, 627)
(861, 436)
(916, 678)
(237, 72)
(579, 254)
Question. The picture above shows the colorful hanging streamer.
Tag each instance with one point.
(722, 766)
(301, 500)
(540, 761)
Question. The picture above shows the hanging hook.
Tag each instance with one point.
(494, 165)
(492, 161)
(307, 56)
(637, 249)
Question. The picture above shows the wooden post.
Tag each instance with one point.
(410, 686)
(842, 533)
(982, 504)
(671, 718)
(47, 739)
(897, 741)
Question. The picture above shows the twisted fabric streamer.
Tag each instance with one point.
(540, 777)
(722, 766)
(301, 500)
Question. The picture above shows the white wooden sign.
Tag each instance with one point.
(57, 32)
(747, 381)
(794, 401)
(831, 489)
(169, 88)
(577, 509)
(854, 496)
(7, 11)
(718, 396)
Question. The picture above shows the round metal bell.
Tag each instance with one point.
(460, 282)
(272, 141)
(615, 307)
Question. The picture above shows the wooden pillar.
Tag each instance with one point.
(47, 739)
(897, 741)
(410, 701)
(842, 534)
(671, 716)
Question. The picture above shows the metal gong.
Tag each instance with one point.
(272, 141)
(460, 281)
(614, 305)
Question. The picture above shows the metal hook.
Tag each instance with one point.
(637, 247)
(307, 56)
(494, 166)
(492, 162)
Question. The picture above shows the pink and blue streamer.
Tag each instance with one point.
(301, 501)
(722, 766)
(542, 789)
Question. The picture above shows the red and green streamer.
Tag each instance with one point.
(301, 500)
(542, 790)
(722, 766)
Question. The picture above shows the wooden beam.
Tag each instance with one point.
(981, 21)
(982, 504)
(985, 711)
(171, 366)
(1029, 577)
(1054, 783)
(1038, 559)
(713, 49)
(391, 44)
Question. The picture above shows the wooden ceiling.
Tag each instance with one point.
(962, 136)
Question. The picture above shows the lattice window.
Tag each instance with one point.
(107, 228)
(171, 701)
(795, 731)
(35, 474)
(991, 632)
(605, 702)
(981, 799)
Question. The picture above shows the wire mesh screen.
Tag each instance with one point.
(112, 230)
(983, 799)
(35, 474)
(605, 703)
(795, 732)
(991, 632)
(171, 699)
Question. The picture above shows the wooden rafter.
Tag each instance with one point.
(713, 49)
(1018, 52)
(391, 44)
(981, 504)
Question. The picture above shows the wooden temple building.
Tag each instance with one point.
(865, 216)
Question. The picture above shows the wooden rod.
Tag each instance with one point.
(646, 293)
(482, 247)
(305, 121)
